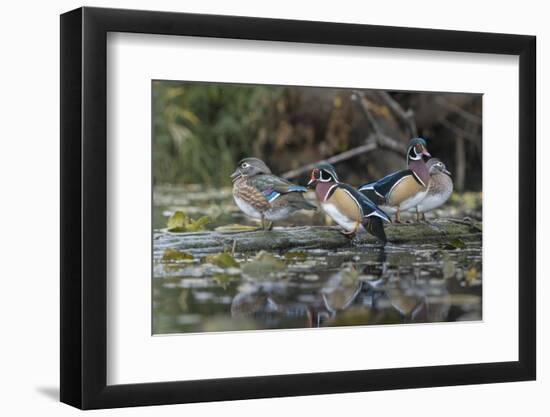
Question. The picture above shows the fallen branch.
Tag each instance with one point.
(371, 143)
(310, 237)
(367, 147)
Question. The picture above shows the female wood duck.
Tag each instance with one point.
(440, 188)
(349, 208)
(403, 189)
(262, 195)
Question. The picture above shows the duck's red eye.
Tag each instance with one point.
(316, 173)
(418, 148)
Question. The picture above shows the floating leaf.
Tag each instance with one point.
(180, 223)
(172, 255)
(197, 225)
(177, 220)
(263, 264)
(178, 229)
(229, 228)
(296, 255)
(223, 260)
(454, 244)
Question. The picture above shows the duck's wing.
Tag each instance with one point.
(272, 186)
(383, 186)
(367, 206)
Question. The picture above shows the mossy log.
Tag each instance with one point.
(314, 237)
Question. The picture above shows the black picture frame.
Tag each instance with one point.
(84, 207)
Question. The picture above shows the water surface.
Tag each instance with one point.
(359, 285)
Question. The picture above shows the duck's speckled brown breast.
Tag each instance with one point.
(249, 194)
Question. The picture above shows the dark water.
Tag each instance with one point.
(361, 285)
(367, 285)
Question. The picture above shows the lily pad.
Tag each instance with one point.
(179, 222)
(173, 255)
(223, 260)
(176, 220)
(454, 244)
(296, 255)
(197, 225)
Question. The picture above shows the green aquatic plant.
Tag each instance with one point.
(180, 223)
(172, 255)
(454, 244)
(296, 255)
(223, 260)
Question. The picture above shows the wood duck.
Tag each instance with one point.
(262, 195)
(403, 189)
(440, 188)
(349, 208)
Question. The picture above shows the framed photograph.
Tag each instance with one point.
(258, 208)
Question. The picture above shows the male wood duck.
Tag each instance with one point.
(353, 211)
(403, 189)
(262, 195)
(440, 188)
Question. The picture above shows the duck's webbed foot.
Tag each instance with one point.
(349, 234)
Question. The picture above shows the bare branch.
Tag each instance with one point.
(406, 117)
(391, 144)
(367, 147)
(378, 140)
(371, 143)
(359, 97)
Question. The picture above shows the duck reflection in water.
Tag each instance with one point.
(353, 295)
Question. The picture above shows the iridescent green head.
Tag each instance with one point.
(417, 149)
(323, 172)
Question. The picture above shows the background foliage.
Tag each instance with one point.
(201, 131)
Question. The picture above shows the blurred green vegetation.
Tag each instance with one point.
(201, 130)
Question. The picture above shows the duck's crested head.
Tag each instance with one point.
(249, 167)
(417, 149)
(323, 172)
